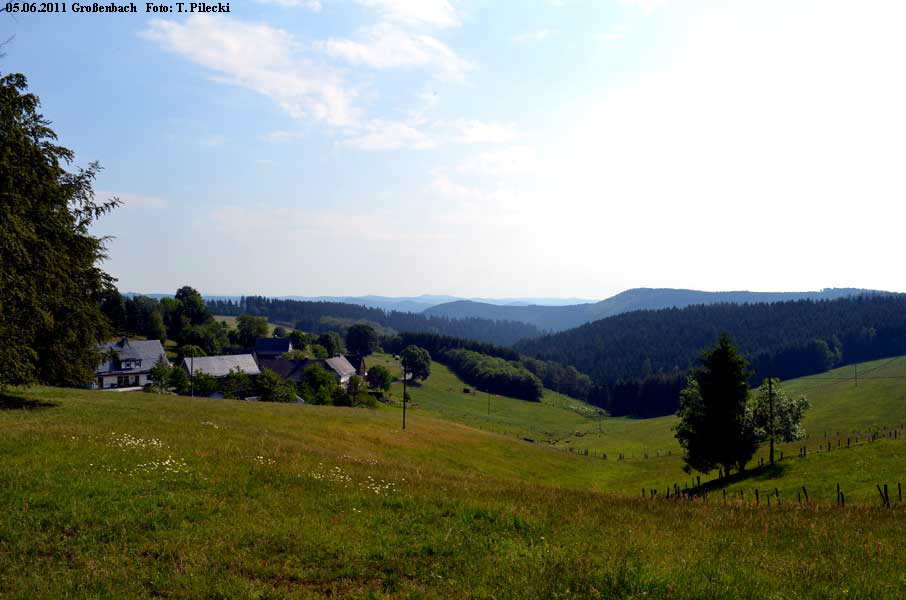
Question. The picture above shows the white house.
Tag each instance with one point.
(127, 363)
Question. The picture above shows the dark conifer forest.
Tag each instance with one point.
(317, 317)
(639, 360)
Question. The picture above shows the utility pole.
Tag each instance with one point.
(771, 417)
(192, 368)
(404, 393)
(489, 403)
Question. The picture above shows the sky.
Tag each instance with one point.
(557, 148)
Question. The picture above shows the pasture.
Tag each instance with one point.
(107, 495)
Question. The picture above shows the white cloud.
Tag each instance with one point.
(471, 131)
(382, 135)
(385, 46)
(437, 13)
(534, 36)
(261, 58)
(313, 5)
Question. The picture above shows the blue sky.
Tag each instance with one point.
(478, 148)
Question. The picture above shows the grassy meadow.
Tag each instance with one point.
(131, 495)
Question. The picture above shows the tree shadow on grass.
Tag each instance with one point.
(763, 473)
(8, 402)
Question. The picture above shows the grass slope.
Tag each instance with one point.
(108, 495)
(841, 411)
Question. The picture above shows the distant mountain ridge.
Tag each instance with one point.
(413, 304)
(560, 318)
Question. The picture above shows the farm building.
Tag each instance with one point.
(358, 363)
(293, 369)
(127, 363)
(341, 367)
(220, 366)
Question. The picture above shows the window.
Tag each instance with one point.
(122, 380)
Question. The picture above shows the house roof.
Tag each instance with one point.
(357, 361)
(340, 366)
(285, 368)
(273, 345)
(146, 351)
(219, 366)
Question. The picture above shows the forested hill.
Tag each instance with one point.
(331, 316)
(559, 318)
(647, 352)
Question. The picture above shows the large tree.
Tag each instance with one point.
(332, 342)
(51, 286)
(361, 339)
(416, 362)
(250, 328)
(714, 428)
(777, 416)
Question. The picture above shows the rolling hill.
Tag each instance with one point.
(559, 318)
(138, 495)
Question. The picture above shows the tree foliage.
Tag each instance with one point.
(179, 381)
(204, 384)
(416, 362)
(361, 339)
(494, 375)
(250, 328)
(714, 428)
(160, 374)
(317, 384)
(298, 339)
(639, 361)
(331, 342)
(236, 384)
(379, 378)
(784, 418)
(211, 336)
(51, 286)
(273, 388)
(318, 317)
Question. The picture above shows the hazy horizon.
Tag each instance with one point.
(561, 148)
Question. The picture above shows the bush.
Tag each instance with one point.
(273, 388)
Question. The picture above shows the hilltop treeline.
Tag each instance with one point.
(318, 317)
(437, 344)
(495, 375)
(638, 360)
(565, 379)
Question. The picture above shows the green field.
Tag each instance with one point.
(840, 410)
(107, 495)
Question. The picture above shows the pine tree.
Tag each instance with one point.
(51, 286)
(714, 428)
